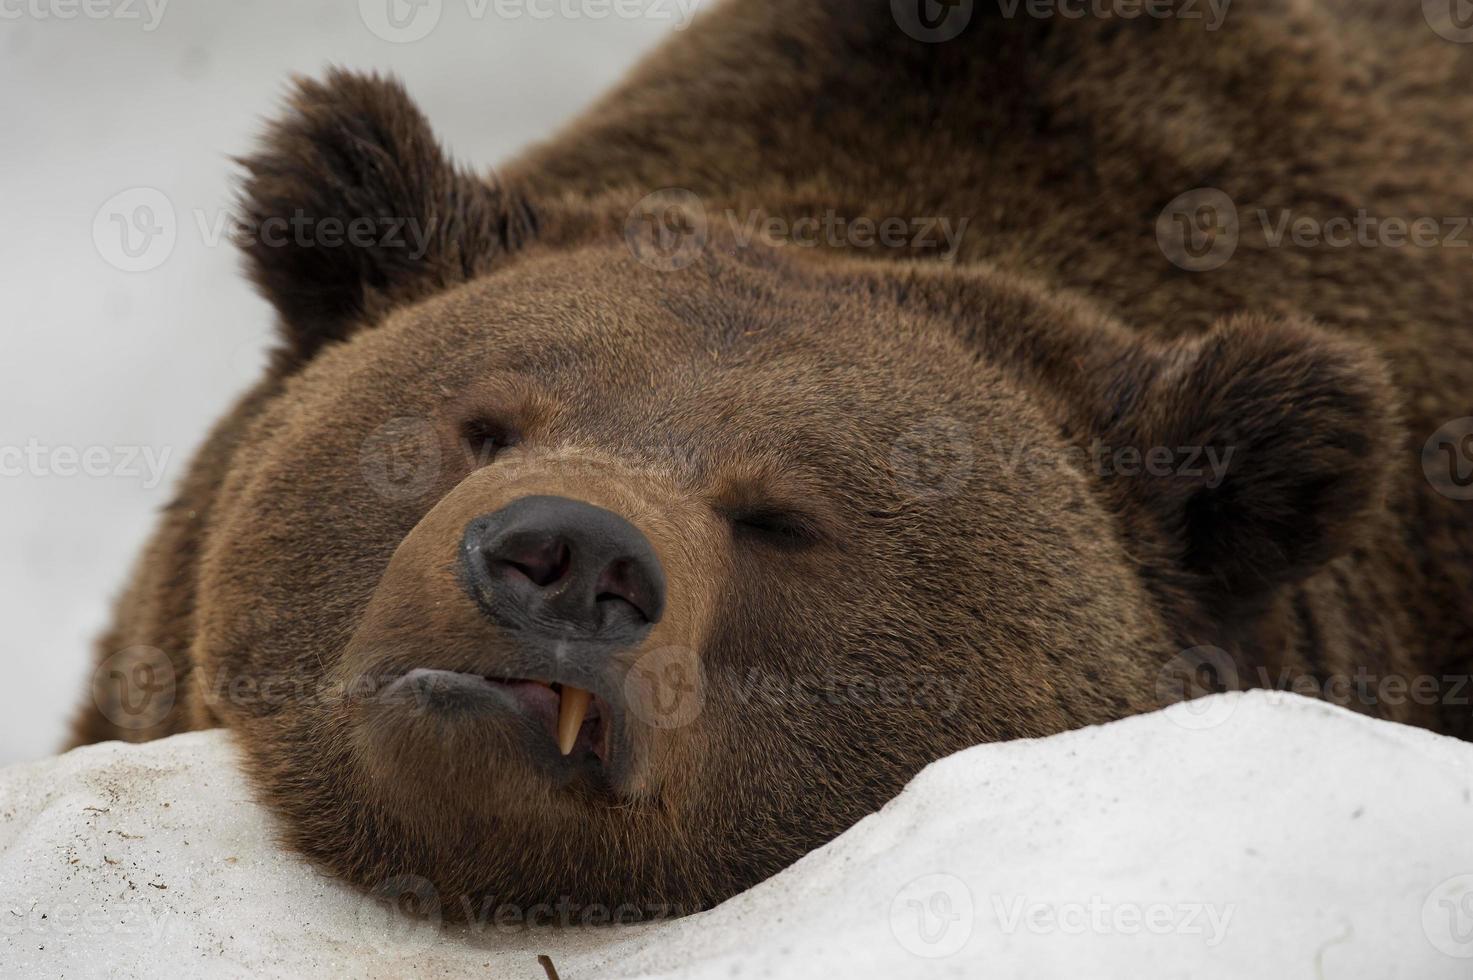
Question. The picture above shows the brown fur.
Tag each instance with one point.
(1022, 599)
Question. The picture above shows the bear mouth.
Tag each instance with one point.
(571, 716)
(565, 727)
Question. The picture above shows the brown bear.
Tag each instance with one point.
(847, 388)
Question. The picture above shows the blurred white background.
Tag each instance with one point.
(98, 363)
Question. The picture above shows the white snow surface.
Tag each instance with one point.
(1246, 835)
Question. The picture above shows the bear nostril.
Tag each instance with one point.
(544, 561)
(622, 580)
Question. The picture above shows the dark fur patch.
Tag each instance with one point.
(354, 148)
(1303, 426)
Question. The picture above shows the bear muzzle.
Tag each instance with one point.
(518, 615)
(557, 571)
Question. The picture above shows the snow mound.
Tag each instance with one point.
(1246, 835)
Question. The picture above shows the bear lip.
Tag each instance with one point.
(534, 701)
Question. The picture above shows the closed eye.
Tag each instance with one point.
(771, 526)
(483, 439)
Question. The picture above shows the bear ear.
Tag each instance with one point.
(350, 208)
(1281, 439)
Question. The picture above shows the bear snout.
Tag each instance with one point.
(533, 617)
(553, 567)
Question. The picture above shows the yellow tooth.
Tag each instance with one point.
(570, 716)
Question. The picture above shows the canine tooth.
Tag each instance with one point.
(570, 716)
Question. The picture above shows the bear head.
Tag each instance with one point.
(560, 573)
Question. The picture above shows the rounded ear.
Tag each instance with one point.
(1294, 434)
(1237, 462)
(350, 208)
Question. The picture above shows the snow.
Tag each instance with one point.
(1246, 835)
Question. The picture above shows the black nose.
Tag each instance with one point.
(565, 568)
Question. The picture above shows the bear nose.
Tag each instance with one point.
(563, 567)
